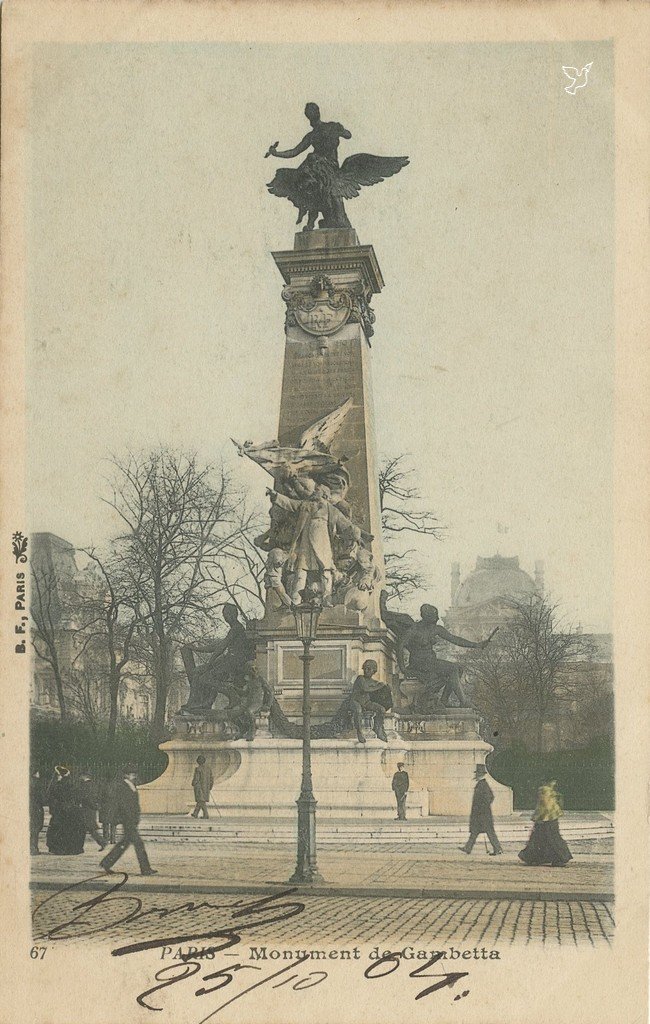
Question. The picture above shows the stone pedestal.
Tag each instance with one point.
(262, 778)
(344, 643)
(351, 779)
(445, 769)
(448, 724)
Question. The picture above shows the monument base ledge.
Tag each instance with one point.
(351, 779)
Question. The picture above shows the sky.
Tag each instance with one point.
(155, 314)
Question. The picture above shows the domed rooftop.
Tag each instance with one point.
(495, 577)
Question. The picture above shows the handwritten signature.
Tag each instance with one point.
(90, 916)
(111, 908)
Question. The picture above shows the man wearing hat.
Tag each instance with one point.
(480, 818)
(201, 784)
(127, 811)
(88, 799)
(400, 789)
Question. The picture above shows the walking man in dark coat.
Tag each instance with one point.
(88, 799)
(202, 785)
(480, 818)
(127, 811)
(107, 806)
(400, 789)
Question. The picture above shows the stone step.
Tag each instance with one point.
(329, 841)
(418, 830)
(343, 833)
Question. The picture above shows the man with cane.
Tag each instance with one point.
(480, 818)
(202, 785)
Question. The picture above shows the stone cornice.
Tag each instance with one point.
(359, 258)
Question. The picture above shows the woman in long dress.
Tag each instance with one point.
(66, 831)
(546, 845)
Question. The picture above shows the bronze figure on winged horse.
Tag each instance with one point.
(319, 185)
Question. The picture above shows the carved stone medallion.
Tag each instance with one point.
(322, 310)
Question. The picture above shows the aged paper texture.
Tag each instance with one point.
(324, 512)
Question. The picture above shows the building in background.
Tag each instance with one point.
(484, 598)
(487, 598)
(68, 597)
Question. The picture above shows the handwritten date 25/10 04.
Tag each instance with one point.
(219, 979)
(111, 908)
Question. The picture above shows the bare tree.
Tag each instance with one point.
(109, 619)
(67, 614)
(241, 566)
(86, 692)
(547, 644)
(48, 637)
(591, 699)
(499, 690)
(403, 517)
(179, 519)
(520, 679)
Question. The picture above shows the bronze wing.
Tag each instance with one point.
(288, 183)
(365, 169)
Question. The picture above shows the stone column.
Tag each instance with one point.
(329, 281)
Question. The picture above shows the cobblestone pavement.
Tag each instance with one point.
(345, 921)
(416, 871)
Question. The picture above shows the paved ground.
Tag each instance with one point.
(389, 922)
(400, 870)
(372, 893)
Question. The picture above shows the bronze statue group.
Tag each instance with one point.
(229, 678)
(319, 185)
(230, 672)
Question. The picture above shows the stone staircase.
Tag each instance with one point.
(450, 831)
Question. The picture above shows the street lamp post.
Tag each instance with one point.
(306, 615)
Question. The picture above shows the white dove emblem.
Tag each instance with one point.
(578, 78)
